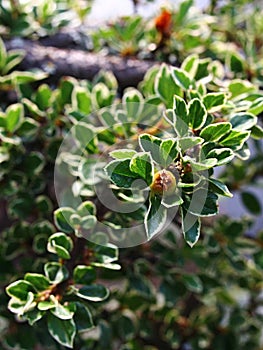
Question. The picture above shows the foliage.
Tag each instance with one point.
(156, 150)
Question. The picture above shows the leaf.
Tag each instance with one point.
(223, 155)
(14, 116)
(214, 101)
(34, 163)
(191, 226)
(193, 283)
(190, 65)
(55, 272)
(19, 289)
(62, 219)
(141, 164)
(40, 282)
(219, 188)
(256, 106)
(201, 203)
(197, 114)
(251, 202)
(106, 253)
(235, 138)
(238, 87)
(120, 174)
(83, 318)
(202, 165)
(151, 144)
(122, 153)
(60, 244)
(243, 121)
(84, 134)
(86, 208)
(84, 274)
(63, 331)
(62, 312)
(181, 117)
(168, 152)
(182, 78)
(94, 292)
(257, 132)
(133, 100)
(172, 201)
(214, 132)
(186, 143)
(81, 100)
(165, 85)
(155, 218)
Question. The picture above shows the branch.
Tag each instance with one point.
(80, 64)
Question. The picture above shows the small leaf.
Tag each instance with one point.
(172, 201)
(14, 116)
(141, 164)
(214, 132)
(40, 282)
(235, 138)
(182, 78)
(62, 219)
(243, 121)
(83, 318)
(19, 289)
(181, 117)
(219, 188)
(191, 226)
(168, 152)
(81, 100)
(214, 101)
(63, 331)
(155, 218)
(251, 202)
(193, 283)
(62, 312)
(94, 292)
(197, 114)
(257, 106)
(223, 155)
(55, 272)
(122, 154)
(201, 203)
(120, 174)
(84, 274)
(60, 244)
(202, 165)
(186, 143)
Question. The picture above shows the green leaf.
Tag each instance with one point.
(182, 78)
(141, 164)
(86, 208)
(55, 272)
(106, 253)
(235, 138)
(122, 153)
(243, 121)
(151, 144)
(186, 143)
(236, 62)
(63, 331)
(84, 274)
(28, 128)
(81, 100)
(132, 100)
(256, 106)
(223, 155)
(214, 132)
(120, 174)
(193, 283)
(190, 65)
(43, 97)
(155, 218)
(62, 312)
(201, 203)
(46, 305)
(165, 85)
(191, 226)
(94, 292)
(14, 116)
(197, 114)
(219, 188)
(19, 289)
(168, 152)
(84, 134)
(257, 132)
(172, 201)
(60, 244)
(214, 101)
(102, 96)
(34, 163)
(202, 165)
(251, 202)
(40, 282)
(33, 316)
(62, 219)
(181, 117)
(83, 318)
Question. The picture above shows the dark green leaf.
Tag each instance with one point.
(63, 331)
